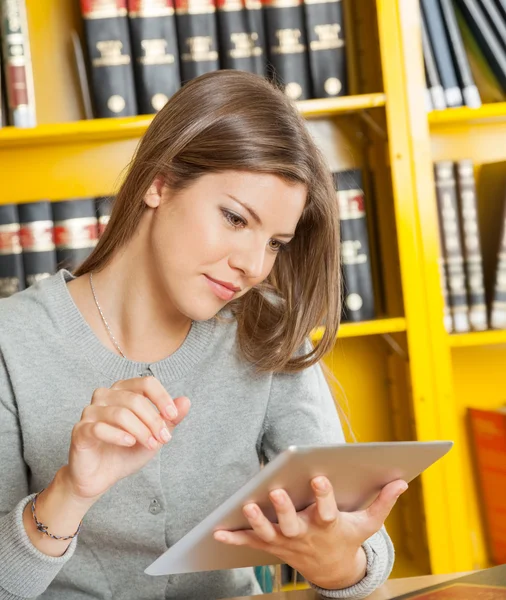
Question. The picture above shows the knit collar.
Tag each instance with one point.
(77, 331)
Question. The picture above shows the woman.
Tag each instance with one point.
(221, 255)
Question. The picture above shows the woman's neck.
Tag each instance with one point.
(145, 325)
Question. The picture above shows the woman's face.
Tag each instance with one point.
(224, 231)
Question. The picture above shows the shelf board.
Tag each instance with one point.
(477, 338)
(133, 127)
(376, 327)
(488, 113)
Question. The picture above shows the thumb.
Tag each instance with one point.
(379, 510)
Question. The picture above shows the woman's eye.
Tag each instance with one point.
(277, 246)
(233, 219)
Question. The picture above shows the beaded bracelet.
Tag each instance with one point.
(43, 528)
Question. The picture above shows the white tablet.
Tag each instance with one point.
(357, 472)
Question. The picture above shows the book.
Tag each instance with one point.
(327, 47)
(486, 38)
(446, 193)
(17, 63)
(487, 584)
(82, 74)
(287, 47)
(462, 66)
(155, 52)
(12, 277)
(197, 32)
(436, 31)
(37, 240)
(75, 231)
(495, 19)
(358, 291)
(110, 56)
(239, 45)
(443, 276)
(433, 81)
(471, 242)
(498, 300)
(255, 18)
(488, 443)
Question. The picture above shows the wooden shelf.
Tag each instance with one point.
(488, 113)
(133, 127)
(477, 338)
(376, 327)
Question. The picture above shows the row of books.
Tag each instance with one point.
(38, 238)
(469, 306)
(140, 51)
(464, 49)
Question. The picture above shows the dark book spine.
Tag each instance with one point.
(501, 7)
(37, 241)
(12, 278)
(287, 47)
(486, 39)
(446, 192)
(327, 47)
(108, 44)
(433, 80)
(75, 231)
(358, 300)
(443, 274)
(469, 89)
(498, 304)
(495, 19)
(155, 52)
(473, 261)
(104, 207)
(255, 19)
(441, 49)
(197, 33)
(17, 63)
(239, 47)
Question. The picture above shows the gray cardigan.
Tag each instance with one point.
(50, 364)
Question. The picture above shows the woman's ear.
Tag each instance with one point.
(153, 196)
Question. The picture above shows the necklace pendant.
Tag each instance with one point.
(146, 373)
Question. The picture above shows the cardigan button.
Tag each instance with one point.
(154, 507)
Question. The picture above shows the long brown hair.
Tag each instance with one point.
(232, 120)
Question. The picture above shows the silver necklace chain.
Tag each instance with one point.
(113, 339)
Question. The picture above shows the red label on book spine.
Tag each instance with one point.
(9, 239)
(76, 233)
(90, 8)
(17, 91)
(148, 7)
(195, 6)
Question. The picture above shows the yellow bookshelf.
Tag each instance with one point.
(399, 377)
(477, 338)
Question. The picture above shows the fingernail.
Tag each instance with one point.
(279, 497)
(220, 536)
(321, 484)
(251, 511)
(171, 411)
(403, 489)
(165, 435)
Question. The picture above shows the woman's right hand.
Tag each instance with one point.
(100, 451)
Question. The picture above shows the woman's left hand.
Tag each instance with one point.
(323, 544)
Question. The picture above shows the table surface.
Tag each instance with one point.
(391, 589)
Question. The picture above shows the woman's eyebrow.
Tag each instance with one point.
(256, 217)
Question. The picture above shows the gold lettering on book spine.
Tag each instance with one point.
(110, 54)
(288, 42)
(244, 45)
(328, 37)
(199, 49)
(155, 53)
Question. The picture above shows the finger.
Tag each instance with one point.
(86, 435)
(183, 405)
(379, 510)
(288, 521)
(260, 524)
(152, 389)
(240, 538)
(121, 415)
(326, 505)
